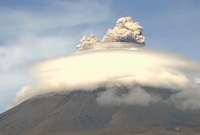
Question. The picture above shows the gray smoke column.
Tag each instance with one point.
(126, 30)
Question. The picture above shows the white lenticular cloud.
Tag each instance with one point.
(86, 68)
(90, 69)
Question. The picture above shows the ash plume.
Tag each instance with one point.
(87, 42)
(126, 30)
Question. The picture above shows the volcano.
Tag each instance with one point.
(79, 113)
(111, 86)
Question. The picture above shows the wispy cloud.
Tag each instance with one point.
(55, 14)
(30, 33)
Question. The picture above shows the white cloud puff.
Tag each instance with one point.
(135, 96)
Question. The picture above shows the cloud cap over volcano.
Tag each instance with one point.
(113, 61)
(88, 70)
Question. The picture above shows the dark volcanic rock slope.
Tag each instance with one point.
(78, 113)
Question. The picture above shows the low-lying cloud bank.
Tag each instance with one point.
(88, 70)
(134, 95)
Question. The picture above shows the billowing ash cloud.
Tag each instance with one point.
(87, 42)
(88, 70)
(125, 30)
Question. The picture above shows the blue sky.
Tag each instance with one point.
(34, 30)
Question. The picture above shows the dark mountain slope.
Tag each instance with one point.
(78, 113)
